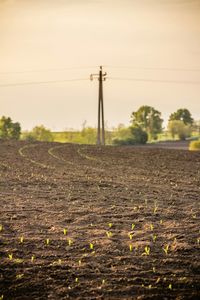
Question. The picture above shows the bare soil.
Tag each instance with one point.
(131, 219)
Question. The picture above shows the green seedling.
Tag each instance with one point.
(166, 249)
(18, 261)
(170, 286)
(79, 263)
(158, 280)
(154, 237)
(103, 281)
(19, 276)
(161, 222)
(76, 279)
(70, 242)
(1, 228)
(32, 258)
(146, 250)
(151, 227)
(133, 226)
(130, 236)
(198, 241)
(10, 256)
(21, 240)
(65, 231)
(109, 234)
(91, 246)
(47, 242)
(131, 247)
(155, 210)
(154, 270)
(110, 225)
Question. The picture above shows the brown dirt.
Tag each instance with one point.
(97, 194)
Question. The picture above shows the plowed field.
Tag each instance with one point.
(85, 222)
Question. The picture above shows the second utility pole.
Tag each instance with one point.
(101, 128)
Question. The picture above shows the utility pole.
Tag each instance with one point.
(101, 129)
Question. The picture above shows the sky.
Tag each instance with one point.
(150, 50)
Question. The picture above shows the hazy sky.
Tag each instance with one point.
(69, 39)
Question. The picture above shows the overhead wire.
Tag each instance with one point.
(155, 80)
(105, 66)
(154, 68)
(49, 70)
(42, 82)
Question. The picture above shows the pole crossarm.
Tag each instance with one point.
(100, 130)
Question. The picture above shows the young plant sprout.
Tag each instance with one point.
(198, 241)
(1, 298)
(47, 242)
(166, 249)
(10, 256)
(103, 281)
(133, 226)
(70, 242)
(110, 225)
(109, 234)
(161, 221)
(1, 228)
(18, 261)
(76, 279)
(91, 246)
(146, 250)
(79, 262)
(19, 276)
(131, 247)
(32, 258)
(154, 269)
(130, 236)
(151, 227)
(155, 210)
(21, 240)
(154, 237)
(170, 286)
(65, 231)
(158, 280)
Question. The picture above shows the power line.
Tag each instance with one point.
(154, 68)
(107, 66)
(41, 82)
(49, 70)
(155, 80)
(111, 78)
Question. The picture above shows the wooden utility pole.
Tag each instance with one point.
(101, 129)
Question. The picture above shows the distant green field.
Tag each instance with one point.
(81, 137)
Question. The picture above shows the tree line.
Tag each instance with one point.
(146, 124)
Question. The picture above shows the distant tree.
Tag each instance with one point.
(148, 119)
(179, 128)
(39, 133)
(182, 114)
(8, 129)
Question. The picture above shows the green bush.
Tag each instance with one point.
(38, 133)
(134, 135)
(194, 146)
